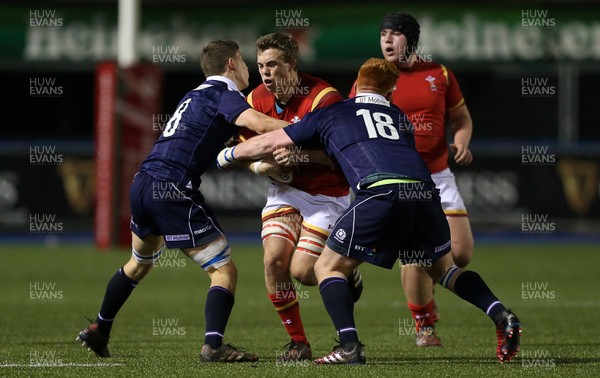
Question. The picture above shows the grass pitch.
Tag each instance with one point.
(45, 294)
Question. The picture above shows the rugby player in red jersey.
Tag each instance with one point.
(304, 203)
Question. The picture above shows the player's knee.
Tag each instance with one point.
(304, 274)
(139, 265)
(447, 278)
(275, 263)
(462, 253)
(230, 270)
(308, 250)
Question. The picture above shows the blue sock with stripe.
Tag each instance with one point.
(118, 290)
(338, 301)
(219, 302)
(471, 287)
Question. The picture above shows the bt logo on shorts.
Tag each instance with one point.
(367, 250)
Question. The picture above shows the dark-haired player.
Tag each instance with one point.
(167, 206)
(429, 95)
(396, 209)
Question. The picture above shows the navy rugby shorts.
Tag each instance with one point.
(393, 221)
(179, 214)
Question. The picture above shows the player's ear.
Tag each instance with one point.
(294, 64)
(231, 64)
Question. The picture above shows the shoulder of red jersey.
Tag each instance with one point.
(259, 97)
(321, 92)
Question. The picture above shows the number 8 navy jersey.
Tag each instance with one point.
(367, 136)
(196, 133)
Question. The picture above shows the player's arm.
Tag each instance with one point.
(254, 148)
(287, 158)
(461, 129)
(459, 119)
(258, 122)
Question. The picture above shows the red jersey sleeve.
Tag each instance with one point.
(454, 97)
(329, 95)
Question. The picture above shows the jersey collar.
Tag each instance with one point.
(230, 84)
(371, 98)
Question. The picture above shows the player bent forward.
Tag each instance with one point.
(204, 120)
(396, 209)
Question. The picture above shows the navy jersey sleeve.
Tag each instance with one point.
(232, 104)
(304, 131)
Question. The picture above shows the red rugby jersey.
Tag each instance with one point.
(425, 92)
(312, 93)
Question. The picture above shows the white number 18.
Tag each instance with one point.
(383, 126)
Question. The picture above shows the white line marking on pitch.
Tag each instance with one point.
(59, 365)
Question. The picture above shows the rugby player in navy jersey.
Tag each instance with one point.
(396, 209)
(167, 207)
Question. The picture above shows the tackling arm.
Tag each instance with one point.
(258, 122)
(254, 148)
(284, 157)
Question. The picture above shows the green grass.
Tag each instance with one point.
(561, 334)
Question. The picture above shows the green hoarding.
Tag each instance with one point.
(329, 36)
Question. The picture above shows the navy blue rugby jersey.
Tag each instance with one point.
(197, 131)
(369, 138)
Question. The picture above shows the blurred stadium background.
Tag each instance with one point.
(529, 71)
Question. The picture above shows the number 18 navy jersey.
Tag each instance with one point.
(196, 133)
(368, 136)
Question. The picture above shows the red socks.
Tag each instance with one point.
(423, 315)
(288, 308)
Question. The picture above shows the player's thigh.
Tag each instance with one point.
(146, 237)
(429, 239)
(211, 255)
(462, 240)
(148, 245)
(373, 228)
(440, 267)
(280, 234)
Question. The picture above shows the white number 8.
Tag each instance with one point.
(174, 121)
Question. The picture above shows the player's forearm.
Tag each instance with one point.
(256, 148)
(462, 134)
(461, 128)
(319, 157)
(270, 124)
(258, 122)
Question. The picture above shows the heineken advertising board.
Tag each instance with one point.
(329, 36)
